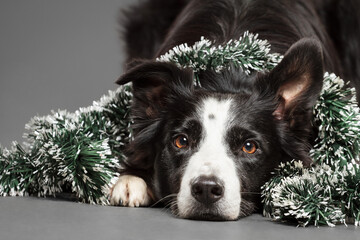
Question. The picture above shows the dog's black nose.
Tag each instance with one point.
(207, 190)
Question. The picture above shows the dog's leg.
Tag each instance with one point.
(130, 191)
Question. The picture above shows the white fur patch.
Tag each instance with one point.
(212, 160)
(130, 191)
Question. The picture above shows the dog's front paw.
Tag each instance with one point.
(130, 191)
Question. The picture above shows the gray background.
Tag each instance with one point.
(63, 55)
(55, 55)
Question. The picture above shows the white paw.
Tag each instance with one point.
(130, 191)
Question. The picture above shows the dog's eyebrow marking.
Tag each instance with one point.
(211, 116)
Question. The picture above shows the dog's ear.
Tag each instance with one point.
(297, 80)
(133, 63)
(294, 86)
(152, 84)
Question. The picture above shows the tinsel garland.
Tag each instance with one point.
(247, 53)
(80, 152)
(70, 152)
(329, 192)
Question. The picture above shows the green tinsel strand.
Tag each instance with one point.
(318, 196)
(88, 169)
(247, 53)
(337, 116)
(16, 168)
(117, 110)
(79, 151)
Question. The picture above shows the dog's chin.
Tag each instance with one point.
(206, 213)
(208, 216)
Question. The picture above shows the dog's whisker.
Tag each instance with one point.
(171, 203)
(175, 211)
(166, 209)
(162, 199)
(247, 207)
(171, 206)
(258, 193)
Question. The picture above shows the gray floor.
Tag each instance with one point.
(65, 54)
(32, 218)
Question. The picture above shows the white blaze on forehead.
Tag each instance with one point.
(212, 159)
(215, 119)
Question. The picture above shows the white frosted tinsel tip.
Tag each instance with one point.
(247, 53)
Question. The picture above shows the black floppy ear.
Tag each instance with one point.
(152, 83)
(133, 63)
(297, 80)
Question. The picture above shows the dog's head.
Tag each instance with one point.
(212, 148)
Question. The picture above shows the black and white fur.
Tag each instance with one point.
(213, 177)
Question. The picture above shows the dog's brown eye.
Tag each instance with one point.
(181, 141)
(249, 147)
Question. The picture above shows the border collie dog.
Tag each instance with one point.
(207, 151)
